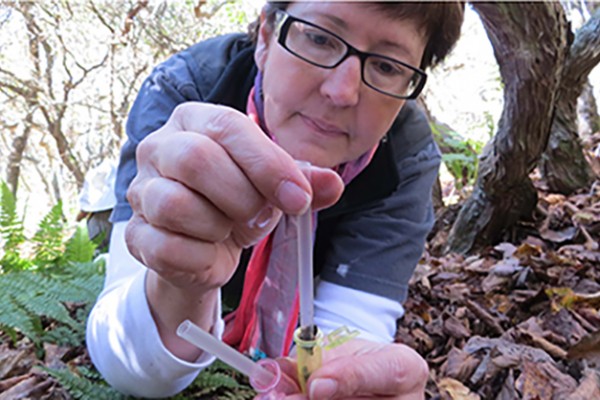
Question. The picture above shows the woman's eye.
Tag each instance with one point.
(318, 39)
(388, 68)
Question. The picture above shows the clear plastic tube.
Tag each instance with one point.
(305, 273)
(305, 263)
(264, 375)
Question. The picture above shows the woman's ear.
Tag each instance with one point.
(265, 32)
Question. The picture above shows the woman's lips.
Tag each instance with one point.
(322, 126)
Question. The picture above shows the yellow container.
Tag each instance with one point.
(309, 355)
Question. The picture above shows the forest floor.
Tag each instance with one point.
(519, 320)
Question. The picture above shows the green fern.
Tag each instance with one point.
(79, 247)
(48, 240)
(27, 299)
(214, 380)
(11, 232)
(16, 319)
(80, 386)
(218, 381)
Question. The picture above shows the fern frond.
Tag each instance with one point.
(64, 336)
(80, 387)
(80, 283)
(25, 296)
(48, 240)
(16, 318)
(11, 231)
(238, 395)
(215, 380)
(12, 261)
(79, 247)
(36, 293)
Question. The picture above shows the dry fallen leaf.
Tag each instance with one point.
(589, 387)
(543, 381)
(588, 346)
(451, 389)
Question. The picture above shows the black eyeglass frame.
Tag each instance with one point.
(284, 27)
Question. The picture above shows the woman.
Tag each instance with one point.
(209, 169)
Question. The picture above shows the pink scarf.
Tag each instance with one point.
(264, 323)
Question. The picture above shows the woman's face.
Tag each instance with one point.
(329, 116)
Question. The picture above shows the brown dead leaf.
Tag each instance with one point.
(53, 355)
(586, 347)
(459, 365)
(457, 291)
(493, 283)
(423, 339)
(506, 267)
(555, 198)
(558, 236)
(506, 348)
(581, 253)
(421, 274)
(506, 249)
(584, 217)
(502, 302)
(451, 389)
(30, 388)
(567, 298)
(541, 381)
(564, 324)
(538, 341)
(589, 387)
(492, 322)
(10, 382)
(508, 391)
(527, 250)
(455, 327)
(591, 317)
(479, 265)
(15, 361)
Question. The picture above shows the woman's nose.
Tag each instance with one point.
(342, 83)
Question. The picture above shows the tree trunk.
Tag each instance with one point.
(529, 41)
(588, 112)
(563, 165)
(15, 157)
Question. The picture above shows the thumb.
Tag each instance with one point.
(397, 372)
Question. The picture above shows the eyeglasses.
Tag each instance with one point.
(325, 49)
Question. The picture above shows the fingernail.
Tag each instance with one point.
(293, 196)
(262, 218)
(323, 389)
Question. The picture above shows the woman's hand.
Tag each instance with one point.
(360, 369)
(209, 183)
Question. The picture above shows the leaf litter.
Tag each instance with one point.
(519, 320)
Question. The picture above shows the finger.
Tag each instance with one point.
(248, 234)
(204, 166)
(288, 367)
(179, 259)
(397, 371)
(168, 204)
(270, 169)
(327, 187)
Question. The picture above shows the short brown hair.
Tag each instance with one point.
(441, 22)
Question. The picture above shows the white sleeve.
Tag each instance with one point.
(121, 335)
(373, 316)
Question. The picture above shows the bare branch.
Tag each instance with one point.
(131, 14)
(99, 15)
